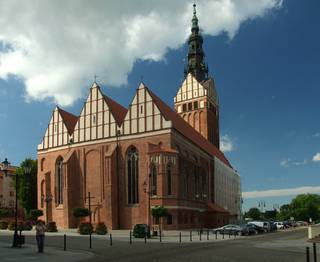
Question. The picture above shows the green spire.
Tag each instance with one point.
(196, 63)
(194, 18)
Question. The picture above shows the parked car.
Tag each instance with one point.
(279, 224)
(263, 224)
(252, 229)
(259, 229)
(141, 231)
(273, 226)
(232, 230)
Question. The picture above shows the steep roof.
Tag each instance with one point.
(186, 130)
(69, 120)
(118, 111)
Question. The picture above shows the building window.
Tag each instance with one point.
(153, 177)
(59, 181)
(189, 106)
(169, 180)
(132, 175)
(94, 119)
(169, 220)
(184, 107)
(195, 105)
(55, 128)
(11, 193)
(141, 109)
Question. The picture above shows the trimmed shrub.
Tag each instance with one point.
(5, 213)
(85, 228)
(101, 229)
(52, 227)
(80, 212)
(27, 225)
(4, 225)
(35, 213)
(19, 225)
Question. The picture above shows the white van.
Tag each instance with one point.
(263, 224)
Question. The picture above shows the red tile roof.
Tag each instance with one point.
(186, 130)
(69, 120)
(118, 111)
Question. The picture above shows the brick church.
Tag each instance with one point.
(133, 159)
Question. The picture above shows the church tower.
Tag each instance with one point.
(196, 100)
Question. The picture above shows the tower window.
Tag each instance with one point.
(195, 105)
(153, 180)
(93, 119)
(184, 107)
(189, 106)
(141, 109)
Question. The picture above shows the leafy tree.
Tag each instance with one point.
(35, 213)
(27, 194)
(253, 213)
(80, 212)
(159, 212)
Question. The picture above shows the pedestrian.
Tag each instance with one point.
(40, 232)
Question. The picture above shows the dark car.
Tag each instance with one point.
(141, 231)
(253, 229)
(257, 228)
(232, 230)
(273, 226)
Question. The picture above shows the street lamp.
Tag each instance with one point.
(5, 169)
(146, 189)
(47, 199)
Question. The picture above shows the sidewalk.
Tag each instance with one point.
(29, 253)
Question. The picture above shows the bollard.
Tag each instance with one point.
(208, 234)
(110, 239)
(20, 239)
(314, 252)
(180, 237)
(160, 235)
(216, 235)
(145, 238)
(200, 235)
(308, 254)
(190, 236)
(130, 238)
(90, 240)
(64, 242)
(222, 234)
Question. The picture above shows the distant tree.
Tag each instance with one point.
(270, 214)
(302, 207)
(253, 213)
(27, 193)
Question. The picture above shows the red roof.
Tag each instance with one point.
(69, 120)
(216, 208)
(118, 111)
(186, 130)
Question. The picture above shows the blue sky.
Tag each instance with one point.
(267, 78)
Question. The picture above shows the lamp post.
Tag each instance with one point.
(146, 189)
(47, 199)
(5, 169)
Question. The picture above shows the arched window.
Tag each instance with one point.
(132, 175)
(169, 180)
(59, 181)
(153, 177)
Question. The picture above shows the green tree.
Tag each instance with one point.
(306, 206)
(253, 213)
(159, 212)
(27, 185)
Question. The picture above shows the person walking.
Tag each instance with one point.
(40, 232)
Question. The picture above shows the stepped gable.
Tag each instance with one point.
(69, 120)
(186, 130)
(118, 111)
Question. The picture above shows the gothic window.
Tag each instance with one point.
(94, 119)
(195, 105)
(184, 107)
(189, 106)
(59, 181)
(196, 182)
(153, 177)
(169, 219)
(132, 175)
(169, 180)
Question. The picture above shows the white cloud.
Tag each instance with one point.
(316, 134)
(226, 144)
(316, 157)
(288, 162)
(282, 192)
(57, 47)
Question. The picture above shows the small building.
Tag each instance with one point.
(7, 188)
